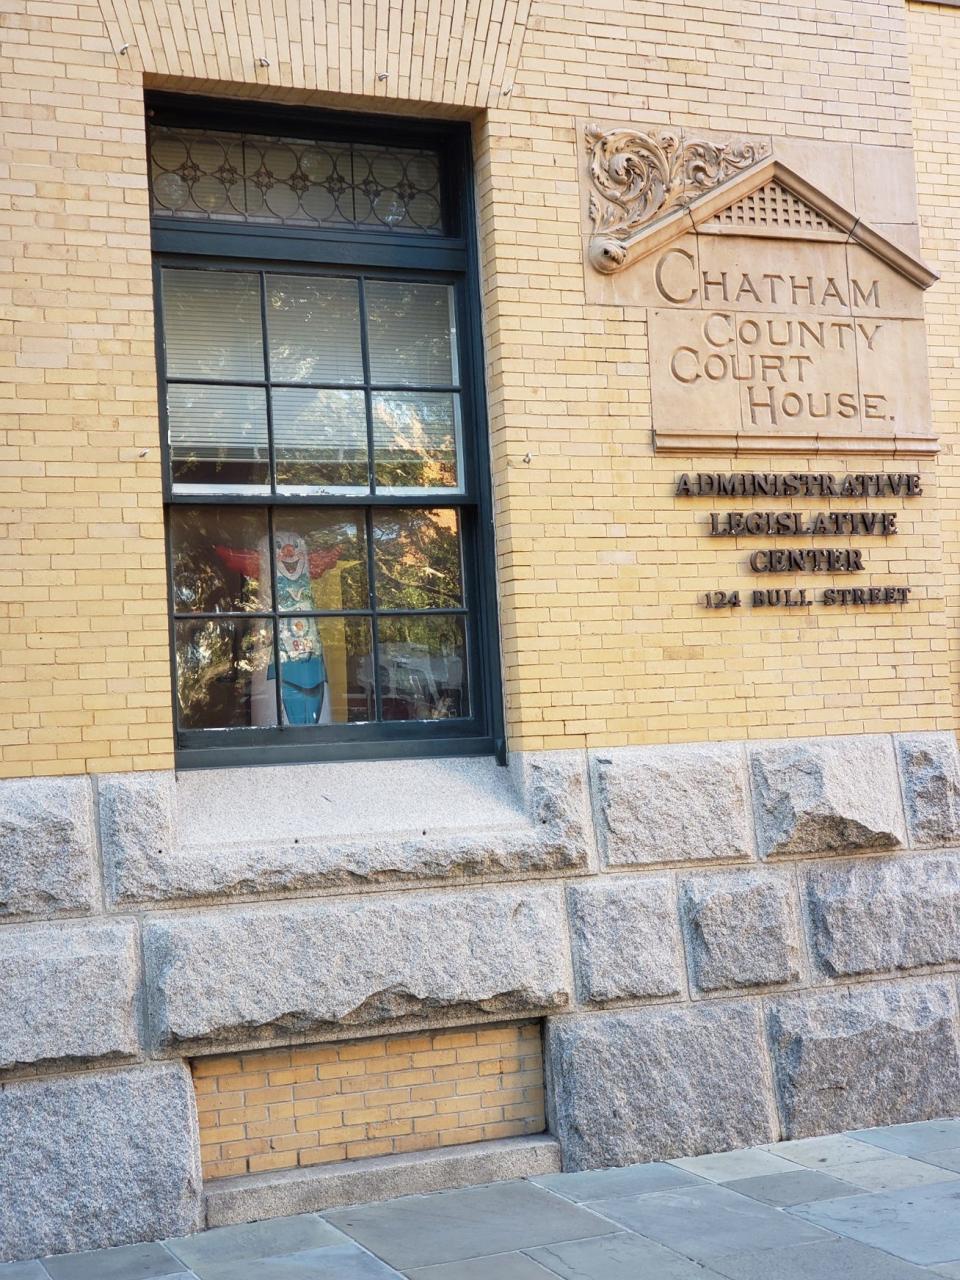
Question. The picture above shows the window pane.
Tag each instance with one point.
(211, 324)
(416, 440)
(194, 174)
(321, 559)
(326, 671)
(313, 327)
(417, 559)
(412, 334)
(293, 181)
(218, 437)
(397, 188)
(222, 673)
(423, 668)
(219, 559)
(320, 439)
(296, 182)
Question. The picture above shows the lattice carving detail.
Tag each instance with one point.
(772, 205)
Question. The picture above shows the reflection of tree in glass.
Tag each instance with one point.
(321, 438)
(423, 667)
(326, 532)
(409, 327)
(216, 662)
(202, 582)
(313, 326)
(415, 441)
(417, 556)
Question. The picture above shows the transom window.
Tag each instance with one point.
(294, 181)
(328, 542)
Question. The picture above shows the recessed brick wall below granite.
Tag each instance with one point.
(284, 1108)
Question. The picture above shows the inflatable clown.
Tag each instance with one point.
(303, 673)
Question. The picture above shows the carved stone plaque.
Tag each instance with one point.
(777, 320)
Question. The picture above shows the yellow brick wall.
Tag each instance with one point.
(935, 68)
(604, 642)
(284, 1108)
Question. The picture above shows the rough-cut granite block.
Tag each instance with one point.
(930, 771)
(863, 1057)
(90, 1161)
(656, 1083)
(538, 822)
(67, 992)
(741, 929)
(249, 974)
(880, 915)
(826, 795)
(625, 940)
(672, 804)
(47, 847)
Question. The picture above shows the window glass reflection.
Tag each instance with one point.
(221, 673)
(324, 674)
(320, 440)
(417, 558)
(218, 437)
(423, 667)
(218, 565)
(411, 333)
(320, 560)
(313, 325)
(416, 440)
(211, 324)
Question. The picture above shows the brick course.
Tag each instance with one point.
(604, 642)
(284, 1108)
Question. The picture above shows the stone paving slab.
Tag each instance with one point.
(706, 1222)
(620, 1257)
(277, 1237)
(877, 1204)
(949, 1159)
(129, 1262)
(816, 1153)
(602, 1184)
(892, 1173)
(800, 1186)
(730, 1165)
(830, 1260)
(334, 1262)
(499, 1266)
(419, 1231)
(913, 1139)
(918, 1224)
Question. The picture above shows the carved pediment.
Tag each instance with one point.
(773, 210)
(776, 320)
(647, 189)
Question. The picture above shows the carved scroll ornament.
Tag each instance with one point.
(636, 177)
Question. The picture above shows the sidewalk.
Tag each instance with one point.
(876, 1204)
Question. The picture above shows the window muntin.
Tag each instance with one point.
(294, 182)
(265, 419)
(364, 366)
(363, 610)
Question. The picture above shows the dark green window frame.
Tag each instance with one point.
(373, 254)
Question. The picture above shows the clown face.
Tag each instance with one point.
(290, 553)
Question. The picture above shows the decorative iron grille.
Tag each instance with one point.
(244, 177)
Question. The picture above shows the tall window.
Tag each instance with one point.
(328, 506)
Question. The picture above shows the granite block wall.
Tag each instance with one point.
(728, 943)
